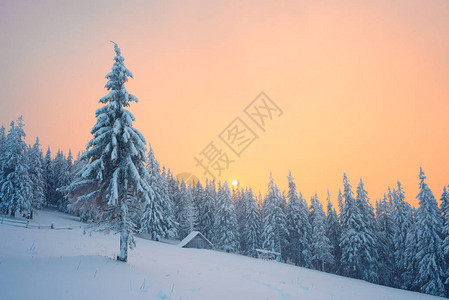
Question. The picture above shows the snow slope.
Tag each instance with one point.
(67, 264)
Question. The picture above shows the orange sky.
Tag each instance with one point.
(364, 86)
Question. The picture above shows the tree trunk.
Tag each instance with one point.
(123, 247)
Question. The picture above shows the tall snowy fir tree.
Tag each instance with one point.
(36, 174)
(240, 211)
(321, 247)
(60, 166)
(333, 232)
(206, 214)
(357, 241)
(184, 210)
(116, 159)
(16, 185)
(431, 264)
(198, 200)
(253, 224)
(226, 226)
(2, 156)
(368, 245)
(401, 225)
(50, 180)
(411, 248)
(157, 219)
(299, 229)
(385, 239)
(167, 208)
(274, 233)
(445, 233)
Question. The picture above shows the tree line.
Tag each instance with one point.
(28, 179)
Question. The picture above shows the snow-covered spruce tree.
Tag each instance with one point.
(355, 260)
(66, 178)
(225, 237)
(198, 203)
(333, 232)
(116, 159)
(167, 208)
(184, 207)
(401, 225)
(385, 235)
(253, 224)
(36, 174)
(444, 207)
(320, 244)
(411, 248)
(2, 154)
(50, 180)
(299, 229)
(368, 229)
(157, 219)
(16, 185)
(206, 215)
(59, 173)
(274, 233)
(431, 263)
(240, 204)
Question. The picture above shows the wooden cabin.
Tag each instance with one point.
(196, 240)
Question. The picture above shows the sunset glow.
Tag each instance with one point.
(363, 86)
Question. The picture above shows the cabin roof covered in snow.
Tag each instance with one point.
(190, 237)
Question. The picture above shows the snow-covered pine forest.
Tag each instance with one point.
(392, 244)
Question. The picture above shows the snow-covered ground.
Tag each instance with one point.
(67, 264)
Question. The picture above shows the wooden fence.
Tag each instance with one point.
(32, 225)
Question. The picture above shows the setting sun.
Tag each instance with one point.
(235, 182)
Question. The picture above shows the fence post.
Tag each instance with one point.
(52, 226)
(28, 222)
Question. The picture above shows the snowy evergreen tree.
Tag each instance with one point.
(401, 225)
(298, 227)
(225, 237)
(431, 264)
(206, 215)
(274, 233)
(50, 180)
(59, 166)
(333, 232)
(156, 219)
(16, 185)
(445, 213)
(116, 159)
(2, 155)
(198, 203)
(321, 247)
(385, 239)
(253, 224)
(184, 208)
(36, 174)
(368, 230)
(167, 208)
(240, 205)
(411, 249)
(358, 242)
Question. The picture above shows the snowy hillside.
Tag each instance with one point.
(66, 264)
